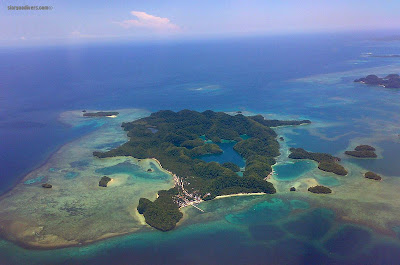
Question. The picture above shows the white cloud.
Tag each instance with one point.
(144, 20)
(78, 35)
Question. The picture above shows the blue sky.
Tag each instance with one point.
(96, 21)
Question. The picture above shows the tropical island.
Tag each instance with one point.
(320, 189)
(362, 151)
(390, 81)
(100, 114)
(372, 175)
(326, 162)
(177, 140)
(104, 181)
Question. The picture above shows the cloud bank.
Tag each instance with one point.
(144, 20)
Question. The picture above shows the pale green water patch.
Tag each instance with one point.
(292, 171)
(261, 213)
(134, 171)
(79, 163)
(298, 204)
(109, 146)
(71, 175)
(327, 181)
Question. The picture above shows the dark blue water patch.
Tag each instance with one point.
(302, 138)
(228, 155)
(109, 146)
(294, 251)
(383, 253)
(396, 229)
(348, 240)
(34, 180)
(264, 212)
(311, 225)
(133, 171)
(389, 165)
(266, 232)
(291, 171)
(71, 175)
(79, 163)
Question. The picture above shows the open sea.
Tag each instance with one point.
(285, 77)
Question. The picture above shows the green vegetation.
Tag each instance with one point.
(320, 189)
(390, 81)
(100, 114)
(364, 147)
(362, 151)
(326, 162)
(162, 213)
(176, 143)
(104, 181)
(276, 123)
(231, 166)
(332, 167)
(372, 175)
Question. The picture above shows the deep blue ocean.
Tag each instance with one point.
(255, 74)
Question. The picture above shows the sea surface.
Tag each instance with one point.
(285, 77)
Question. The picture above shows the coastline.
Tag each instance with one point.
(240, 194)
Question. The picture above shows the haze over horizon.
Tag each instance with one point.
(98, 21)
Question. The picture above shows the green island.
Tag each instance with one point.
(104, 181)
(47, 185)
(372, 175)
(362, 151)
(177, 140)
(320, 189)
(326, 162)
(390, 81)
(100, 114)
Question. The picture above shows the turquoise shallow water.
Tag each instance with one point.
(292, 171)
(253, 75)
(134, 171)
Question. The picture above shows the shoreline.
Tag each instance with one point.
(240, 194)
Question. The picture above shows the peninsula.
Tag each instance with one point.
(176, 141)
(390, 81)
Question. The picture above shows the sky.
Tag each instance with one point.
(72, 21)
